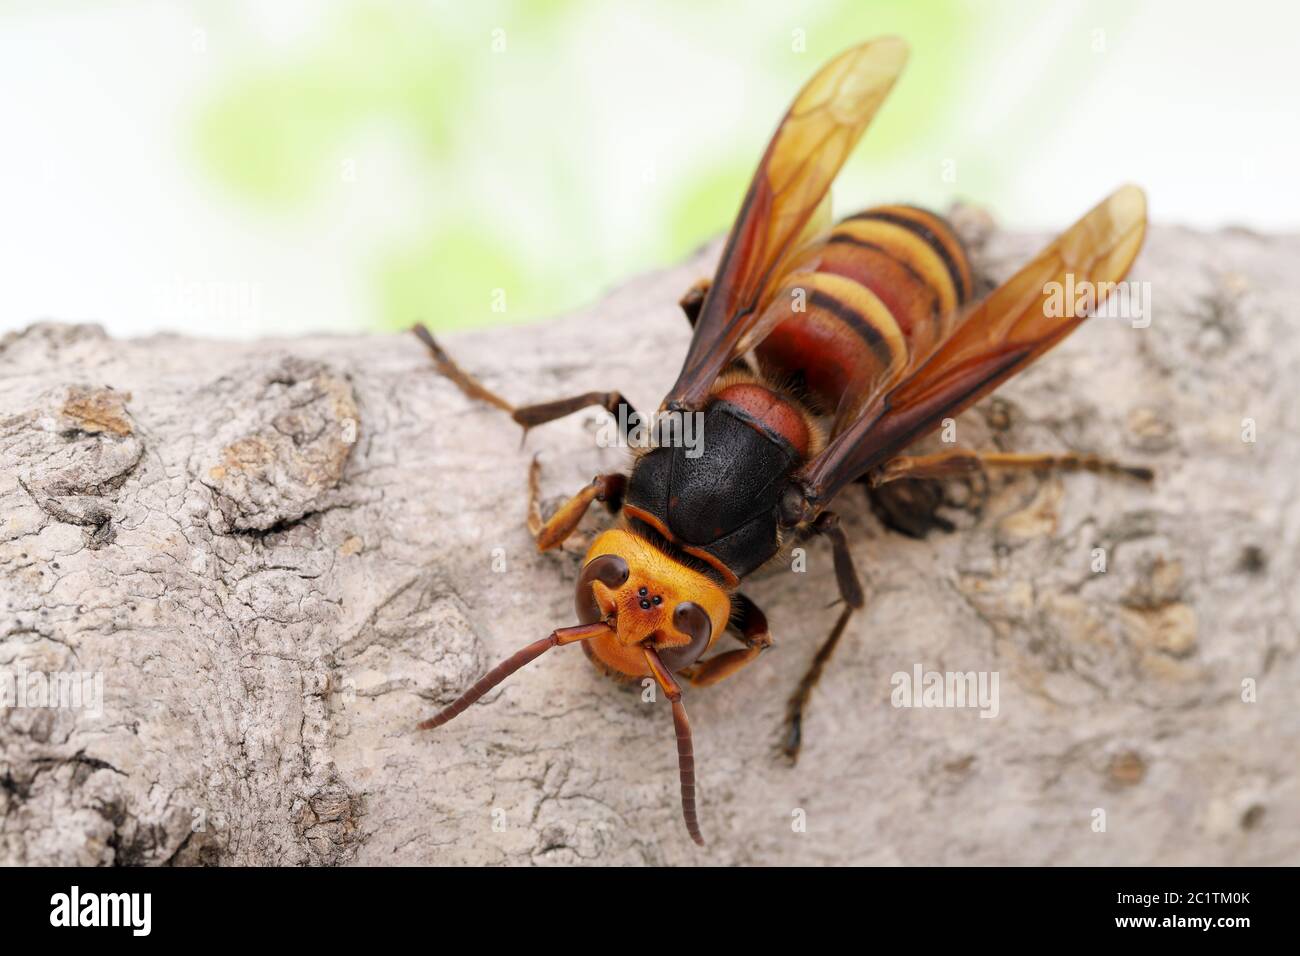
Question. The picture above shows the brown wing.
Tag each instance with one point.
(776, 229)
(997, 338)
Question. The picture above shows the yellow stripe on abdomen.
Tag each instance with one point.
(908, 248)
(939, 233)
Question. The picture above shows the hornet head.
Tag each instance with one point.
(649, 600)
(643, 614)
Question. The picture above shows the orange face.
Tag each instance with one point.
(661, 604)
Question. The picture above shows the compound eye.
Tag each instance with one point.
(611, 571)
(693, 621)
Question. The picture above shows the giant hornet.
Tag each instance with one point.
(820, 353)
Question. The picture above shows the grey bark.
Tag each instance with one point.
(281, 555)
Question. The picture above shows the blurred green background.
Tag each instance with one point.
(242, 168)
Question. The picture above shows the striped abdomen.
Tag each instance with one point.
(888, 286)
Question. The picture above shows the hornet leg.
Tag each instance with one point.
(908, 507)
(846, 577)
(527, 415)
(948, 464)
(553, 532)
(750, 625)
(693, 300)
